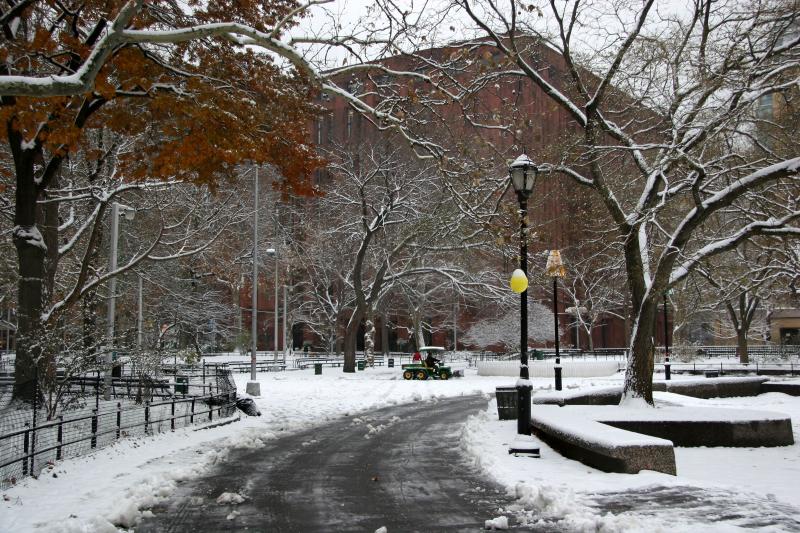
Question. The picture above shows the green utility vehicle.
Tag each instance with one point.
(420, 370)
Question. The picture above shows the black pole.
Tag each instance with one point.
(35, 409)
(524, 386)
(666, 341)
(555, 312)
(557, 367)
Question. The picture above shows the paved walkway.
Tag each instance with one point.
(399, 468)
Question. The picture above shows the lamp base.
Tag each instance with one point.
(253, 388)
(525, 445)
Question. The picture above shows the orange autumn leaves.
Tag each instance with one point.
(191, 111)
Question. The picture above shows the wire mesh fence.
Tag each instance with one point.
(30, 439)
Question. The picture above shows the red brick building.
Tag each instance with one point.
(557, 208)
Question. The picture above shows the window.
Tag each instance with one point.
(764, 110)
(349, 123)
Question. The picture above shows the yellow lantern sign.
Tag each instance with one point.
(555, 267)
(518, 281)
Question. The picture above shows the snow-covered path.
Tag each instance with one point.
(399, 468)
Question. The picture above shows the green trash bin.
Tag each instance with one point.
(317, 369)
(181, 385)
(362, 364)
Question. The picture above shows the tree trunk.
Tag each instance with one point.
(31, 252)
(639, 372)
(31, 270)
(369, 343)
(741, 345)
(350, 337)
(384, 334)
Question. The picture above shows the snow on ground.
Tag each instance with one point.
(111, 487)
(716, 489)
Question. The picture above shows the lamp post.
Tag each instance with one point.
(253, 386)
(117, 210)
(274, 252)
(666, 339)
(555, 269)
(523, 177)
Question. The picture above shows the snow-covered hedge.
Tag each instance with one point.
(544, 369)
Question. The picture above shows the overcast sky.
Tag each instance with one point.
(447, 25)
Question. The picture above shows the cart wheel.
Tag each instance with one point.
(421, 374)
(443, 375)
(408, 374)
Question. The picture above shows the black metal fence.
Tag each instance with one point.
(29, 442)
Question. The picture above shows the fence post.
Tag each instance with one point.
(119, 417)
(204, 374)
(146, 416)
(172, 419)
(60, 437)
(191, 417)
(25, 446)
(35, 411)
(94, 428)
(211, 407)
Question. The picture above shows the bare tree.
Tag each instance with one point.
(502, 327)
(665, 106)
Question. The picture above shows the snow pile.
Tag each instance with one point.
(501, 522)
(233, 498)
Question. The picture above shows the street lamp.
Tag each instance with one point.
(666, 338)
(523, 177)
(117, 210)
(555, 269)
(253, 386)
(274, 252)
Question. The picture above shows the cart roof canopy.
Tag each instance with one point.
(431, 349)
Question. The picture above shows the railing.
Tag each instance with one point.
(759, 369)
(30, 447)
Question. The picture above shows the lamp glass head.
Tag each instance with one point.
(518, 281)
(523, 174)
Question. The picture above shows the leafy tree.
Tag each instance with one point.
(187, 113)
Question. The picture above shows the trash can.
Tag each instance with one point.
(181, 385)
(362, 364)
(506, 402)
(317, 369)
(538, 355)
(390, 363)
(116, 368)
